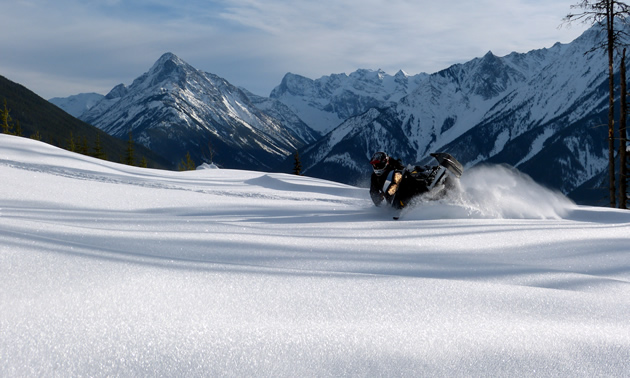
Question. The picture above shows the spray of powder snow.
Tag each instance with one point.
(497, 191)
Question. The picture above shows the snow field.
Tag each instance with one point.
(114, 270)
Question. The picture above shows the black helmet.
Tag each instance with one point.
(379, 162)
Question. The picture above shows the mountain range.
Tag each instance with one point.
(326, 102)
(539, 111)
(175, 109)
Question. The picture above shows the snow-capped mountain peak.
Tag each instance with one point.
(117, 92)
(76, 105)
(326, 102)
(168, 69)
(176, 109)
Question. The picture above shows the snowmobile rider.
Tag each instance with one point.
(386, 178)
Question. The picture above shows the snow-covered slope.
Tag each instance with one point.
(536, 111)
(174, 109)
(326, 102)
(286, 116)
(77, 104)
(111, 270)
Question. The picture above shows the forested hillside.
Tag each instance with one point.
(33, 117)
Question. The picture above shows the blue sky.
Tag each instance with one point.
(59, 48)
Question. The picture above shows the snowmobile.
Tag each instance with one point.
(427, 183)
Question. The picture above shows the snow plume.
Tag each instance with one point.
(498, 192)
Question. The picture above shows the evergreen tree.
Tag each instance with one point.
(5, 118)
(71, 146)
(143, 162)
(187, 164)
(36, 136)
(98, 148)
(18, 129)
(83, 148)
(129, 159)
(297, 167)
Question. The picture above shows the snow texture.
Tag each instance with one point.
(110, 270)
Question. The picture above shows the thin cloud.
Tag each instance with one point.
(94, 45)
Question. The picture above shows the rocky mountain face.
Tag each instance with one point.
(326, 102)
(540, 111)
(175, 109)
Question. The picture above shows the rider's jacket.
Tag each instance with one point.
(385, 186)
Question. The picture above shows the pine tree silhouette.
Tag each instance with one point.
(297, 167)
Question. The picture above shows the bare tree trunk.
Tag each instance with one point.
(598, 12)
(623, 136)
(611, 103)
